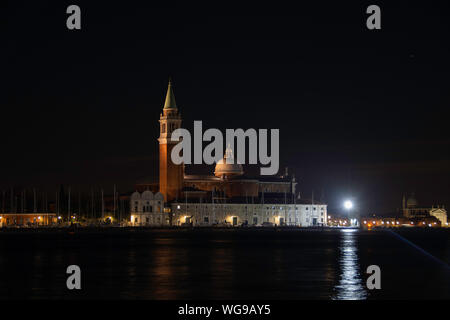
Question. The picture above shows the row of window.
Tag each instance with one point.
(146, 209)
(281, 208)
(255, 220)
(147, 220)
(148, 202)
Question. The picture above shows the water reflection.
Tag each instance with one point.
(162, 269)
(350, 285)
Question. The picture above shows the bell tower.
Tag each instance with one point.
(171, 176)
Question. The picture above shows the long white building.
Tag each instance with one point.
(237, 214)
(147, 210)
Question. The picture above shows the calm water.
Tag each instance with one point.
(225, 264)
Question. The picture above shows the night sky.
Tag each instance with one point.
(361, 113)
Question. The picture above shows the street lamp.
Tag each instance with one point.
(348, 205)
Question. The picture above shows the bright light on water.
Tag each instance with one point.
(350, 285)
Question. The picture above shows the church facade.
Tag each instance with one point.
(411, 209)
(227, 197)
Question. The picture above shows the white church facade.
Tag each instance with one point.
(147, 209)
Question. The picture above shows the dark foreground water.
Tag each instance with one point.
(225, 264)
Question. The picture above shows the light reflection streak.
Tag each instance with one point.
(350, 285)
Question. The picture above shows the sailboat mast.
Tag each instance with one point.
(68, 207)
(103, 205)
(114, 201)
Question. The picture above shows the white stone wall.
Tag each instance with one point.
(206, 214)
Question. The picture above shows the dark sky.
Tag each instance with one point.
(361, 113)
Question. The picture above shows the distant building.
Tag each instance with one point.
(410, 215)
(226, 197)
(399, 221)
(27, 219)
(411, 209)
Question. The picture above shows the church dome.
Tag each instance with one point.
(411, 202)
(225, 170)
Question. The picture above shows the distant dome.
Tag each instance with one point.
(225, 170)
(411, 202)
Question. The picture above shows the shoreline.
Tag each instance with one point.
(199, 229)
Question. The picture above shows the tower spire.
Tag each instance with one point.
(170, 97)
(171, 175)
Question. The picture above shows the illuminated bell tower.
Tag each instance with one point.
(170, 175)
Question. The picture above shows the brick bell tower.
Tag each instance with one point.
(171, 176)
